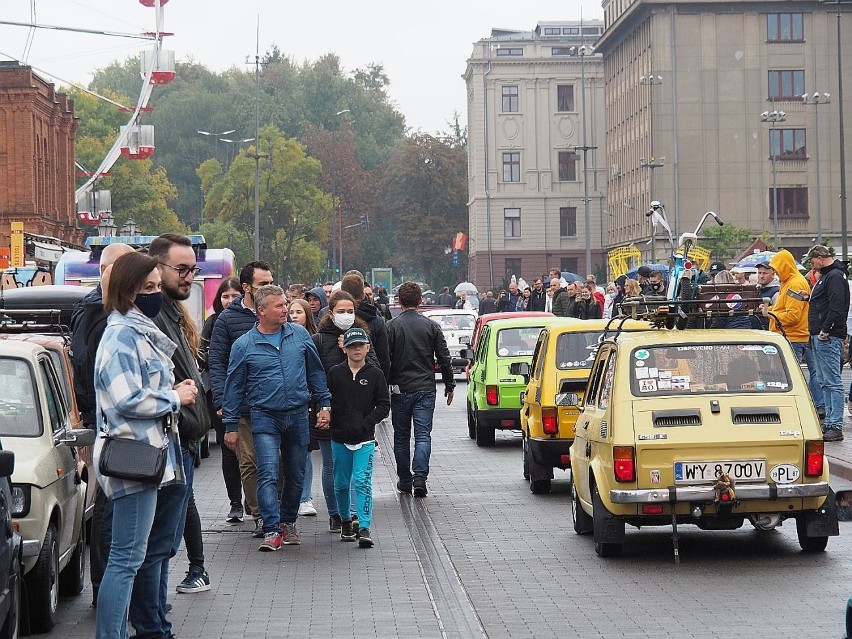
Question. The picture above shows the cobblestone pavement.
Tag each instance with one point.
(482, 556)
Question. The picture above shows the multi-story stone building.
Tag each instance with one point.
(37, 134)
(531, 125)
(691, 92)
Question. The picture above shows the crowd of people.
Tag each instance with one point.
(277, 373)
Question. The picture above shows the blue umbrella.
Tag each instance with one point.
(751, 261)
(568, 276)
(663, 268)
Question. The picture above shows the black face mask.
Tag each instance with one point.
(149, 303)
(658, 286)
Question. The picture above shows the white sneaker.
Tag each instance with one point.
(306, 509)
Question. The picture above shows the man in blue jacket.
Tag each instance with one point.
(232, 323)
(276, 371)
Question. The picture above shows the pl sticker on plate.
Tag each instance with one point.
(784, 474)
(642, 354)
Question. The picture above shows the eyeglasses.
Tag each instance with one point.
(183, 271)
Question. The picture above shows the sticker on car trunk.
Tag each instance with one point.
(784, 474)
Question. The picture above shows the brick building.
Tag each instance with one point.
(37, 133)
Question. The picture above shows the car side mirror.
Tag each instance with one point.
(467, 354)
(520, 368)
(843, 499)
(7, 463)
(464, 339)
(79, 437)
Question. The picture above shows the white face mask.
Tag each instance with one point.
(343, 321)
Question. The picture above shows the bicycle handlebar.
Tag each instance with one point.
(704, 218)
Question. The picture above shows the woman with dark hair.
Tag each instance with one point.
(137, 399)
(586, 306)
(228, 291)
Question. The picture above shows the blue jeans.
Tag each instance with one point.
(415, 407)
(287, 433)
(804, 348)
(135, 515)
(828, 355)
(309, 478)
(354, 468)
(151, 586)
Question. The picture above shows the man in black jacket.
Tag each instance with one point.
(178, 269)
(239, 318)
(87, 325)
(538, 296)
(415, 343)
(829, 305)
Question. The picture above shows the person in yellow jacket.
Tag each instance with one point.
(791, 310)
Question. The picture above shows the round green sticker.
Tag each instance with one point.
(642, 354)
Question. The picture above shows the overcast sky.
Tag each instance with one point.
(422, 45)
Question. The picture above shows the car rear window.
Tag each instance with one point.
(18, 414)
(516, 342)
(454, 322)
(749, 367)
(577, 349)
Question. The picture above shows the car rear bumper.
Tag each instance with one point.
(550, 452)
(744, 492)
(496, 416)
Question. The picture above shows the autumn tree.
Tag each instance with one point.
(294, 212)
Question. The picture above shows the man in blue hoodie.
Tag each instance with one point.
(276, 371)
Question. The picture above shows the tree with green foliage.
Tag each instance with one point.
(294, 212)
(727, 241)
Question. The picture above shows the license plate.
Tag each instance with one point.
(745, 470)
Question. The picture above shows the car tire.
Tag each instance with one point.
(471, 423)
(484, 433)
(599, 515)
(526, 459)
(12, 627)
(810, 544)
(583, 523)
(43, 585)
(539, 486)
(72, 579)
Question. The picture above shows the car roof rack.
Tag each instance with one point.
(33, 320)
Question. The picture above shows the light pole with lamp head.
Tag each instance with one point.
(650, 81)
(107, 226)
(774, 117)
(337, 234)
(816, 99)
(215, 136)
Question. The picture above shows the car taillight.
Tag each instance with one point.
(623, 463)
(549, 421)
(492, 395)
(814, 458)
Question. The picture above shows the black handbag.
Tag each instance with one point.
(132, 460)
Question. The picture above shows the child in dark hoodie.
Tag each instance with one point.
(359, 401)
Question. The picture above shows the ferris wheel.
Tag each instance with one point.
(135, 140)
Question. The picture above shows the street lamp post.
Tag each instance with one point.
(337, 232)
(130, 227)
(107, 226)
(216, 137)
(650, 81)
(816, 99)
(844, 240)
(774, 117)
(583, 51)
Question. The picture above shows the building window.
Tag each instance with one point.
(552, 31)
(567, 222)
(784, 27)
(567, 166)
(792, 202)
(786, 85)
(570, 264)
(571, 30)
(513, 267)
(511, 167)
(512, 222)
(561, 51)
(787, 144)
(510, 99)
(513, 51)
(564, 97)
